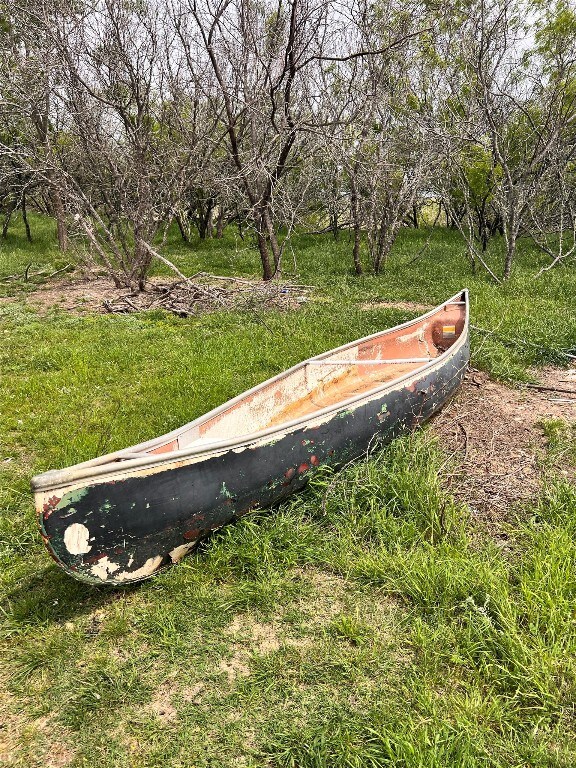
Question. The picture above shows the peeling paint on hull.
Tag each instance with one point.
(125, 527)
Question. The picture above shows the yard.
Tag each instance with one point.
(394, 614)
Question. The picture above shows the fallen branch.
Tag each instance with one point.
(26, 275)
(542, 388)
(58, 271)
(173, 267)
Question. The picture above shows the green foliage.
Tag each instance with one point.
(480, 175)
(351, 628)
(556, 32)
(561, 438)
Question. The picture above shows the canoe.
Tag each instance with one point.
(122, 517)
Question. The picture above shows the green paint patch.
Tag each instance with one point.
(72, 497)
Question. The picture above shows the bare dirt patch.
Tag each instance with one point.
(494, 434)
(326, 599)
(257, 636)
(319, 605)
(76, 295)
(203, 293)
(192, 694)
(236, 666)
(161, 704)
(29, 742)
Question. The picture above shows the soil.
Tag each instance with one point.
(15, 729)
(192, 694)
(236, 666)
(78, 295)
(161, 703)
(494, 436)
(261, 637)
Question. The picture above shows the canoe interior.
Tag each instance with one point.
(323, 382)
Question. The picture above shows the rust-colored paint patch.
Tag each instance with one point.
(167, 448)
(94, 558)
(50, 506)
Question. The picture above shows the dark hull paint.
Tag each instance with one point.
(143, 517)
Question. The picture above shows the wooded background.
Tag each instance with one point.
(120, 118)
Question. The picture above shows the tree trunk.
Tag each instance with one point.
(334, 209)
(210, 218)
(220, 223)
(267, 273)
(510, 236)
(356, 250)
(6, 224)
(385, 242)
(142, 261)
(510, 251)
(272, 238)
(25, 218)
(472, 257)
(183, 232)
(354, 210)
(59, 215)
(334, 224)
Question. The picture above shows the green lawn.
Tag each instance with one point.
(366, 622)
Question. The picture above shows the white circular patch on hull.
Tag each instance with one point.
(76, 538)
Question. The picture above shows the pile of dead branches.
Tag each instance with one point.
(205, 293)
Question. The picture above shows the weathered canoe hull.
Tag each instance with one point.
(118, 531)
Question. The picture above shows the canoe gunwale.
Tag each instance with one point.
(103, 467)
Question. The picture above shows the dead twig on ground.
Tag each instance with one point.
(542, 388)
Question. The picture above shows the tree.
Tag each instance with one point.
(29, 117)
(523, 111)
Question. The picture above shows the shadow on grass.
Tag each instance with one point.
(51, 597)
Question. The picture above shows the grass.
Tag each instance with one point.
(362, 623)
